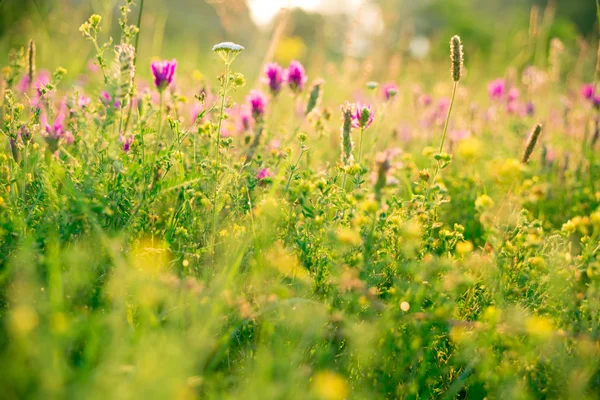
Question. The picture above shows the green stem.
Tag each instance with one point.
(448, 117)
(438, 166)
(160, 118)
(360, 144)
(137, 42)
(287, 186)
(360, 150)
(218, 155)
(221, 115)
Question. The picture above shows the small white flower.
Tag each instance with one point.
(228, 46)
(228, 51)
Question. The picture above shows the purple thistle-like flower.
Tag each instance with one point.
(127, 142)
(244, 118)
(512, 107)
(496, 89)
(83, 101)
(258, 104)
(587, 91)
(513, 94)
(263, 173)
(295, 76)
(389, 90)
(23, 84)
(425, 100)
(274, 77)
(56, 131)
(164, 72)
(107, 100)
(362, 116)
(529, 108)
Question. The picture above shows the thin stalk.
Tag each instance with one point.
(287, 186)
(360, 144)
(221, 114)
(360, 149)
(437, 168)
(218, 150)
(137, 42)
(160, 118)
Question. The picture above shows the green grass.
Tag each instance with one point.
(172, 270)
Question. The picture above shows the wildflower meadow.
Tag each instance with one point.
(266, 226)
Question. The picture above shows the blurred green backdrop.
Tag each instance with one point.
(381, 28)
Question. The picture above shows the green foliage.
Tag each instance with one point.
(165, 243)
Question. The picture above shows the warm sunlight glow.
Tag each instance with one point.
(263, 11)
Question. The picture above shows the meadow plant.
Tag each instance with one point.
(235, 259)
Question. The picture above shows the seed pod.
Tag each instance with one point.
(31, 61)
(534, 17)
(125, 56)
(346, 138)
(531, 142)
(383, 167)
(315, 94)
(456, 55)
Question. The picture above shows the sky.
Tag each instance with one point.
(263, 11)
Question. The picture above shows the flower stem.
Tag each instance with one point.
(448, 116)
(160, 117)
(360, 144)
(360, 150)
(287, 186)
(218, 155)
(438, 166)
(137, 42)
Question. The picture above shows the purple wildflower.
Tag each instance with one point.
(295, 76)
(529, 108)
(513, 94)
(56, 131)
(496, 89)
(512, 107)
(107, 100)
(258, 104)
(263, 173)
(127, 141)
(587, 91)
(245, 118)
(362, 116)
(164, 72)
(23, 84)
(389, 91)
(425, 100)
(274, 77)
(83, 101)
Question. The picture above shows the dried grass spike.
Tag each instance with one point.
(456, 55)
(531, 142)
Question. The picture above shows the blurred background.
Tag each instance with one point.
(386, 33)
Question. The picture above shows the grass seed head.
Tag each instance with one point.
(456, 55)
(531, 142)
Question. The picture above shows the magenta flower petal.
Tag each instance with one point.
(164, 73)
(295, 76)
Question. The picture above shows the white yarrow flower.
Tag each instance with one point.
(228, 51)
